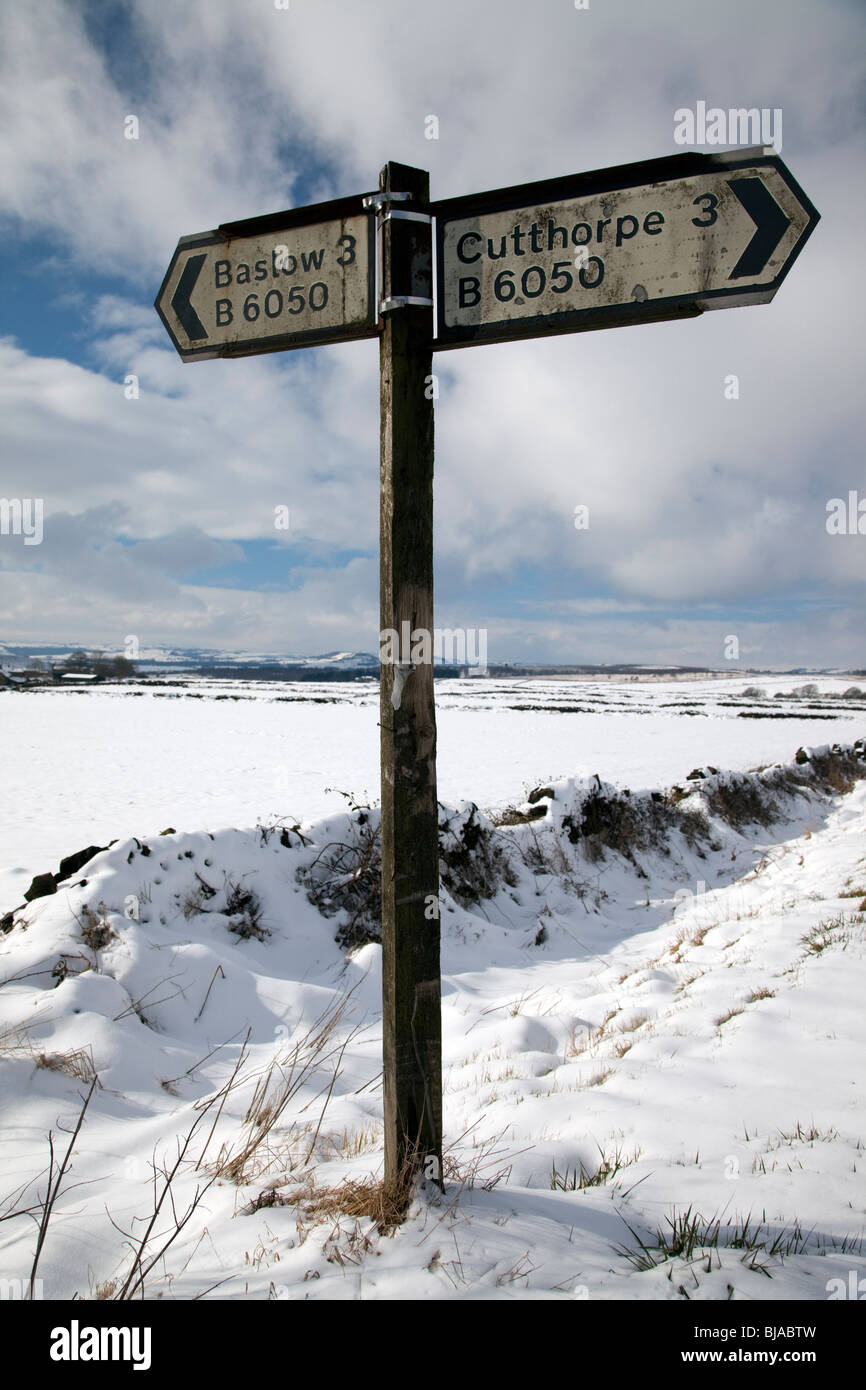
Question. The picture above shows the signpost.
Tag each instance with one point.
(664, 239)
(288, 280)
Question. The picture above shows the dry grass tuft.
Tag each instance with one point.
(597, 1079)
(15, 1041)
(105, 1290)
(726, 1018)
(839, 931)
(78, 1062)
(365, 1199)
(685, 938)
(583, 1040)
(384, 1203)
(277, 1087)
(632, 1024)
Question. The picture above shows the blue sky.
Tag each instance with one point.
(707, 515)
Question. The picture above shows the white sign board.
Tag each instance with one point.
(581, 257)
(271, 288)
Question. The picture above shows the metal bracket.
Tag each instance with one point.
(378, 200)
(406, 216)
(402, 301)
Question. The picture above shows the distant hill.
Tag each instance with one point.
(330, 665)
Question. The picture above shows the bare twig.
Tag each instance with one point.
(223, 1093)
(142, 1262)
(219, 971)
(53, 1189)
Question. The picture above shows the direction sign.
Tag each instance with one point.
(662, 239)
(287, 280)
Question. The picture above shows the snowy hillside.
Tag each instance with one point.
(653, 1041)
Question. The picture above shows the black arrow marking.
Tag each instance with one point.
(772, 224)
(189, 319)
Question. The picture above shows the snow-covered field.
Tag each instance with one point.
(648, 1028)
(86, 767)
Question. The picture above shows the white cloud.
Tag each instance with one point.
(693, 499)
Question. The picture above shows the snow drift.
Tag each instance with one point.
(635, 988)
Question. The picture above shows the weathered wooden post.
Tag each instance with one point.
(412, 1029)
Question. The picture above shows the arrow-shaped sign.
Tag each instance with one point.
(287, 280)
(667, 238)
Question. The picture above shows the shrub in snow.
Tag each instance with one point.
(244, 910)
(95, 928)
(345, 876)
(741, 800)
(604, 818)
(473, 859)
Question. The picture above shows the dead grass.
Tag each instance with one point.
(384, 1203)
(685, 938)
(726, 1018)
(351, 1143)
(194, 902)
(96, 931)
(688, 980)
(598, 1079)
(15, 1041)
(107, 1289)
(632, 1024)
(77, 1062)
(838, 931)
(582, 1040)
(369, 1199)
(276, 1087)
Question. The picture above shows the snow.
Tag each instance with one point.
(85, 768)
(691, 1010)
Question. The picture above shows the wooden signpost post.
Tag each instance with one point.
(664, 239)
(411, 1004)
